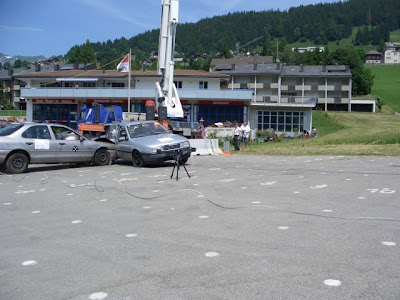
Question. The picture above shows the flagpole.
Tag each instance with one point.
(129, 83)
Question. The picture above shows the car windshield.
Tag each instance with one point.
(143, 129)
(10, 129)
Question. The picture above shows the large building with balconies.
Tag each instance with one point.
(57, 96)
(283, 96)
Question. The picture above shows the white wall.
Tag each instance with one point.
(187, 83)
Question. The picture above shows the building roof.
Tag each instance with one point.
(288, 71)
(241, 60)
(72, 73)
(180, 73)
(249, 69)
(374, 52)
(316, 71)
(114, 74)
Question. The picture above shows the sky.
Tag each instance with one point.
(52, 27)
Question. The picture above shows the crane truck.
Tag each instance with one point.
(166, 90)
(167, 94)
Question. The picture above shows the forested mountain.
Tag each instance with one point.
(318, 23)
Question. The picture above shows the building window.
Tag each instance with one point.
(282, 121)
(178, 84)
(117, 84)
(203, 85)
(89, 84)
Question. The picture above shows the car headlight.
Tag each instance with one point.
(154, 149)
(184, 144)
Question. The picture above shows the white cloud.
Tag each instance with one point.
(6, 27)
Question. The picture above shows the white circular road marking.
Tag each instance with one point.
(98, 296)
(29, 263)
(211, 254)
(389, 243)
(76, 222)
(333, 282)
(130, 235)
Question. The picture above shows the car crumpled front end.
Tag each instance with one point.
(168, 148)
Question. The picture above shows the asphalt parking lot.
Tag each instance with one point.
(242, 227)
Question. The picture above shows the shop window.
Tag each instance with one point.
(89, 84)
(280, 121)
(117, 84)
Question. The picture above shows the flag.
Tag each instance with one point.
(123, 66)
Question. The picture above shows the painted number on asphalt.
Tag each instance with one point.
(382, 191)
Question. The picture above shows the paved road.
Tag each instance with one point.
(242, 227)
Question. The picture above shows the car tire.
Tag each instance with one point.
(137, 159)
(17, 163)
(102, 157)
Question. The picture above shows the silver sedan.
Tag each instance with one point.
(26, 143)
(148, 142)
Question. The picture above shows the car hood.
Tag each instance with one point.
(160, 139)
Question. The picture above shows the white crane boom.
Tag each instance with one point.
(167, 93)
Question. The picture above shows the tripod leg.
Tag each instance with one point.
(186, 170)
(173, 170)
(178, 158)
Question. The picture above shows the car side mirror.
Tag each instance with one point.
(81, 138)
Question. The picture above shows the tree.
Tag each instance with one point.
(7, 66)
(86, 54)
(225, 53)
(73, 55)
(17, 63)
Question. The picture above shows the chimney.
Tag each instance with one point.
(104, 70)
(76, 66)
(233, 67)
(37, 68)
(301, 68)
(278, 66)
(255, 67)
(324, 68)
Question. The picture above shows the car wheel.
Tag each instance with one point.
(17, 163)
(102, 157)
(137, 159)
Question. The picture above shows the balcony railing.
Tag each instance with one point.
(143, 93)
(273, 100)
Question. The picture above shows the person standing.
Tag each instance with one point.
(245, 131)
(236, 137)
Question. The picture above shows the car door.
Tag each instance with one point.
(123, 146)
(37, 141)
(70, 146)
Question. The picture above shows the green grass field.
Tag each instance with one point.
(395, 36)
(387, 85)
(341, 133)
